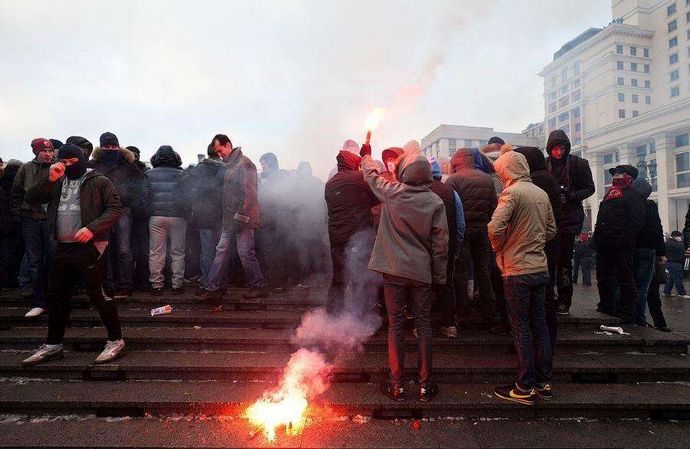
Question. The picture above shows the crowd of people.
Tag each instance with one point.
(508, 219)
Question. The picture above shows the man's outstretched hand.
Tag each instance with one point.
(57, 171)
(366, 150)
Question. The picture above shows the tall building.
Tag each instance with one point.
(446, 139)
(536, 131)
(622, 94)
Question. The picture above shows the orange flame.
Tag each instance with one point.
(305, 376)
(374, 118)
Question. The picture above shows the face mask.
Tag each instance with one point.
(76, 171)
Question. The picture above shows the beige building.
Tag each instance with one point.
(536, 131)
(446, 139)
(622, 94)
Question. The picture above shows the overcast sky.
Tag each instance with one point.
(293, 77)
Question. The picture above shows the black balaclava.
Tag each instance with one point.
(69, 151)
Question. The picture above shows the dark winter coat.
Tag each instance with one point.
(206, 193)
(164, 186)
(349, 200)
(240, 201)
(476, 189)
(447, 195)
(28, 175)
(675, 251)
(127, 178)
(620, 220)
(98, 199)
(576, 178)
(652, 234)
(582, 250)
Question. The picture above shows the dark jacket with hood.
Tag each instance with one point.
(206, 193)
(476, 189)
(575, 176)
(543, 179)
(164, 189)
(620, 220)
(240, 201)
(675, 250)
(349, 200)
(98, 199)
(28, 175)
(652, 234)
(122, 171)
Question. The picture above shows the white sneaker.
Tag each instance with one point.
(450, 331)
(43, 354)
(33, 313)
(684, 296)
(113, 350)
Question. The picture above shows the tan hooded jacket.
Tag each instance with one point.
(412, 239)
(523, 221)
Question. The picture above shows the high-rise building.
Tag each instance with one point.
(446, 139)
(622, 94)
(536, 131)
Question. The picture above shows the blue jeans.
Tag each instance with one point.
(37, 242)
(209, 240)
(525, 297)
(245, 249)
(644, 269)
(675, 277)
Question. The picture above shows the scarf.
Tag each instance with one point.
(617, 187)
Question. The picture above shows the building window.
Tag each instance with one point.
(647, 84)
(635, 98)
(673, 42)
(575, 96)
(633, 82)
(575, 113)
(564, 75)
(468, 143)
(683, 140)
(641, 150)
(673, 59)
(621, 113)
(635, 113)
(675, 91)
(483, 143)
(575, 84)
(563, 89)
(576, 68)
(552, 123)
(565, 129)
(633, 51)
(608, 178)
(552, 95)
(621, 97)
(688, 34)
(673, 26)
(552, 107)
(577, 126)
(452, 145)
(563, 117)
(564, 101)
(633, 66)
(645, 52)
(621, 81)
(611, 158)
(619, 65)
(652, 147)
(682, 170)
(619, 49)
(674, 75)
(671, 9)
(647, 99)
(646, 68)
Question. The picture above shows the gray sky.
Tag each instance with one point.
(293, 77)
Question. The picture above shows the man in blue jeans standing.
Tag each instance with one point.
(519, 229)
(34, 224)
(240, 219)
(675, 253)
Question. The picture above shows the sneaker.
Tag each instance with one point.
(157, 292)
(668, 295)
(123, 294)
(393, 392)
(43, 354)
(302, 285)
(428, 392)
(563, 310)
(450, 331)
(177, 291)
(113, 350)
(544, 392)
(513, 393)
(254, 293)
(33, 313)
(683, 296)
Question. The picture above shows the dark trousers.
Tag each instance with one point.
(565, 269)
(350, 266)
(675, 278)
(14, 253)
(644, 264)
(121, 260)
(38, 242)
(654, 302)
(417, 296)
(475, 251)
(445, 294)
(140, 251)
(583, 264)
(615, 270)
(525, 300)
(71, 259)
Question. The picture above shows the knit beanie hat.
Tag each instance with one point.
(109, 138)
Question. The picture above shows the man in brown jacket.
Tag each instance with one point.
(411, 251)
(519, 228)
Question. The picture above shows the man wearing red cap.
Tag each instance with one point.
(33, 222)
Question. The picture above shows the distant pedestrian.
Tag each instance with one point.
(675, 254)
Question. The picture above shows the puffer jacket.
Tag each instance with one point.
(164, 187)
(572, 173)
(675, 250)
(349, 201)
(240, 202)
(28, 175)
(476, 189)
(523, 221)
(412, 240)
(206, 193)
(127, 178)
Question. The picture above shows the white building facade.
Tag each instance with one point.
(622, 94)
(446, 139)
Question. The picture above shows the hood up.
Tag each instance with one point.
(511, 168)
(166, 157)
(556, 137)
(348, 161)
(304, 169)
(462, 159)
(642, 186)
(413, 169)
(534, 156)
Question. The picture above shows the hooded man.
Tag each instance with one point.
(34, 224)
(82, 207)
(117, 164)
(478, 195)
(389, 157)
(574, 176)
(411, 251)
(519, 229)
(621, 217)
(349, 200)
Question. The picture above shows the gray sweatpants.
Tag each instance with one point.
(161, 229)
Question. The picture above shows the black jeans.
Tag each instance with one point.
(476, 250)
(614, 271)
(654, 302)
(417, 296)
(445, 294)
(69, 260)
(565, 269)
(350, 267)
(583, 264)
(525, 299)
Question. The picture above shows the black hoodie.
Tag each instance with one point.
(573, 174)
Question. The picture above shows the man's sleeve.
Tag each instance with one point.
(459, 219)
(17, 192)
(112, 208)
(39, 193)
(249, 181)
(381, 188)
(500, 220)
(550, 225)
(584, 180)
(439, 246)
